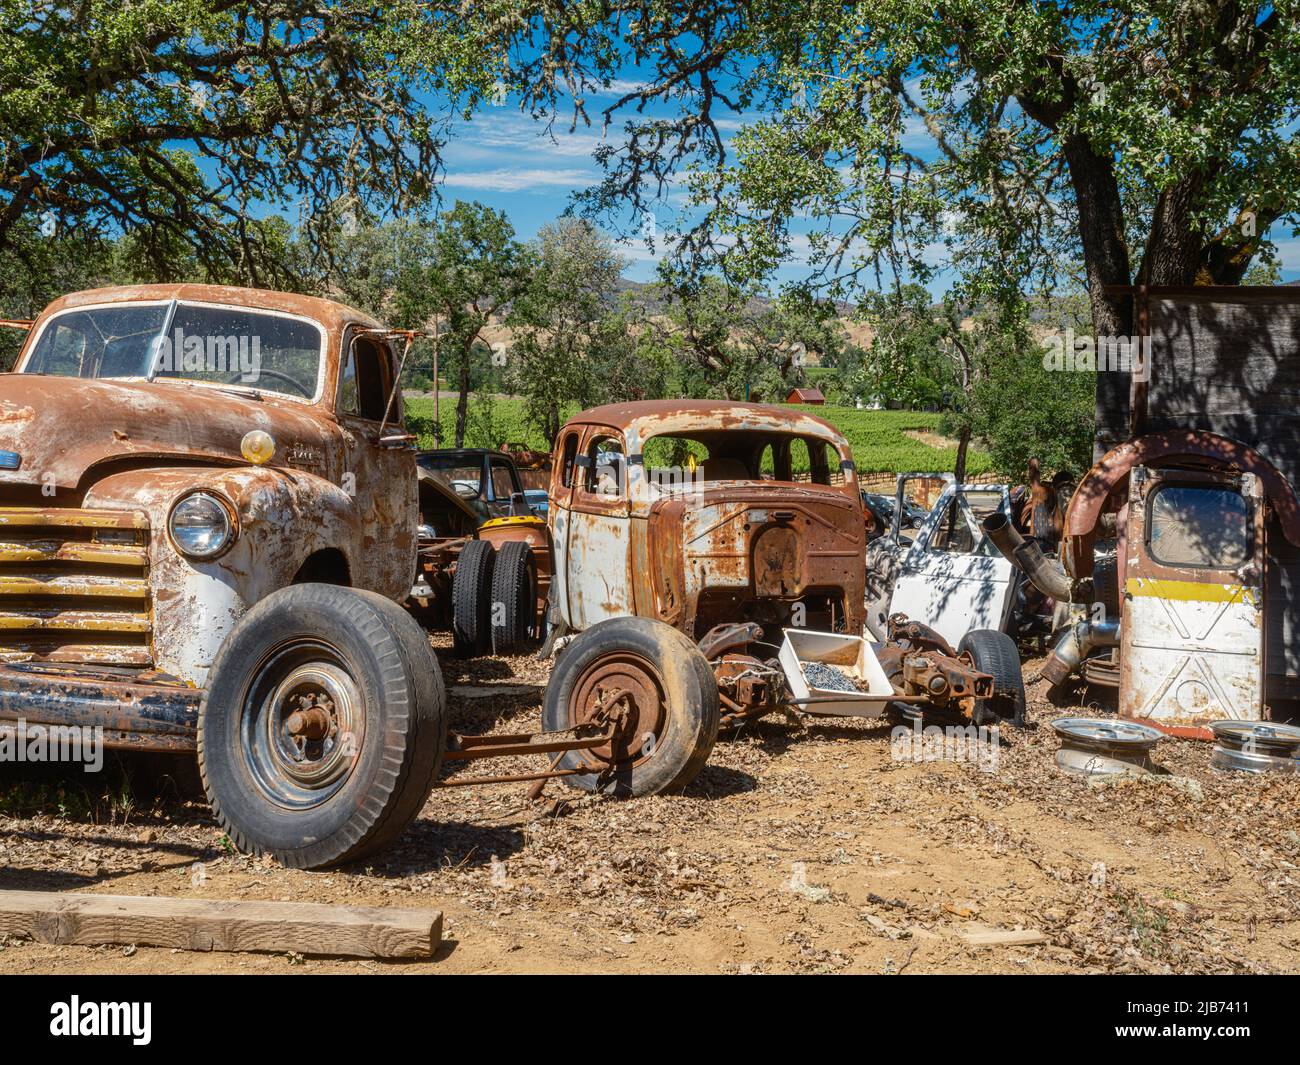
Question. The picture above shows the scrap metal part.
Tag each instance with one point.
(1103, 747)
(1256, 747)
(922, 665)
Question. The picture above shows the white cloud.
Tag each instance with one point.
(622, 86)
(519, 133)
(511, 179)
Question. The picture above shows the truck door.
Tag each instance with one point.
(503, 485)
(1192, 630)
(951, 577)
(598, 549)
(379, 475)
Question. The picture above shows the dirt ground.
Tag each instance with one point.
(798, 850)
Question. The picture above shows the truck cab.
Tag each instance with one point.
(698, 513)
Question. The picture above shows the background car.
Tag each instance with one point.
(880, 511)
(486, 480)
(537, 501)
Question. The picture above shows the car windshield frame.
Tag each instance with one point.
(442, 466)
(171, 306)
(840, 469)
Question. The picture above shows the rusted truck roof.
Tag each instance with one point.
(655, 417)
(328, 313)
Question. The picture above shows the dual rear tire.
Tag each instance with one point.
(494, 597)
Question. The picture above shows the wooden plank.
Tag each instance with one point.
(1004, 937)
(203, 924)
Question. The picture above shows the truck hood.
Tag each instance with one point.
(60, 427)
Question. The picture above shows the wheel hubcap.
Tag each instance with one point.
(313, 724)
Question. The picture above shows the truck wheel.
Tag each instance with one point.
(656, 685)
(514, 597)
(471, 599)
(995, 653)
(321, 732)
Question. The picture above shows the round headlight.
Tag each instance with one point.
(200, 525)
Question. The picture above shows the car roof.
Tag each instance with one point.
(658, 417)
(327, 312)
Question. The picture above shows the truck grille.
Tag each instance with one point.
(74, 586)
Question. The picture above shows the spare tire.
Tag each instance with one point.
(657, 685)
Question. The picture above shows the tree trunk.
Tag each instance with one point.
(1174, 247)
(462, 402)
(1106, 260)
(963, 442)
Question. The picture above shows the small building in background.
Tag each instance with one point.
(806, 395)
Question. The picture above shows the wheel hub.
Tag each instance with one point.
(628, 691)
(315, 725)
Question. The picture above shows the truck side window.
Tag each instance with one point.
(606, 468)
(363, 380)
(952, 534)
(570, 455)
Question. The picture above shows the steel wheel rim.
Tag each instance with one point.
(632, 688)
(303, 725)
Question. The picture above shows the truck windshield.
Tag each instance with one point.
(742, 455)
(228, 346)
(464, 475)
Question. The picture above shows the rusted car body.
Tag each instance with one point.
(729, 523)
(1198, 615)
(94, 592)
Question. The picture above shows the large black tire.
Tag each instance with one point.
(471, 599)
(514, 598)
(315, 800)
(674, 709)
(995, 653)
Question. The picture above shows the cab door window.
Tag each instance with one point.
(364, 380)
(605, 469)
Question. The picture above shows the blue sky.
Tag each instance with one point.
(503, 159)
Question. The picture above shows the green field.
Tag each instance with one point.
(878, 437)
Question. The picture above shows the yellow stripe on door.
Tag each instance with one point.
(1189, 591)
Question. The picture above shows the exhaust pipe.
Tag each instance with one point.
(1047, 576)
(1075, 644)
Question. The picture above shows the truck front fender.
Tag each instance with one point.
(284, 516)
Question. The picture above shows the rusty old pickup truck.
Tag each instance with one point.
(207, 518)
(689, 538)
